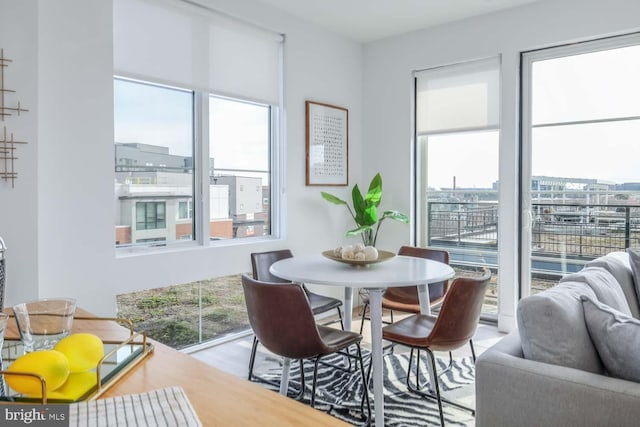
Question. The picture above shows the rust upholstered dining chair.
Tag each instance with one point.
(454, 326)
(282, 320)
(260, 264)
(405, 298)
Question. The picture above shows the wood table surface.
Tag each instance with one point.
(219, 398)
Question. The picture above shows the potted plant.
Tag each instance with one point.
(365, 211)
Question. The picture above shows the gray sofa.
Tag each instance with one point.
(563, 380)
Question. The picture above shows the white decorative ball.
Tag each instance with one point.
(348, 254)
(370, 253)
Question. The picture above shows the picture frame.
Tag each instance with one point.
(327, 144)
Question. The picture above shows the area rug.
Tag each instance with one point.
(339, 392)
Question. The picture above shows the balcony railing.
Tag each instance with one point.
(562, 233)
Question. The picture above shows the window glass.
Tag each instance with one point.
(240, 181)
(588, 86)
(581, 119)
(154, 145)
(150, 215)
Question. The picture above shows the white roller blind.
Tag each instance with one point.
(458, 97)
(177, 43)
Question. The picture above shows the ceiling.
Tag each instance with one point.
(369, 20)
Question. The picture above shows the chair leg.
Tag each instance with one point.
(340, 317)
(365, 395)
(342, 327)
(252, 358)
(473, 351)
(449, 366)
(437, 385)
(364, 316)
(315, 380)
(437, 395)
(409, 369)
(302, 384)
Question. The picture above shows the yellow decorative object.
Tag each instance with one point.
(83, 350)
(77, 385)
(51, 365)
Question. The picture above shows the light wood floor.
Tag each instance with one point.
(233, 357)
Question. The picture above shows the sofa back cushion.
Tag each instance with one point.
(617, 263)
(616, 337)
(604, 285)
(552, 328)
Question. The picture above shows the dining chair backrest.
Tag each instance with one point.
(409, 294)
(281, 318)
(261, 261)
(460, 313)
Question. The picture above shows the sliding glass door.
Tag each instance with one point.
(580, 150)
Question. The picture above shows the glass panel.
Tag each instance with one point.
(461, 202)
(585, 196)
(187, 314)
(240, 176)
(153, 159)
(588, 86)
(586, 207)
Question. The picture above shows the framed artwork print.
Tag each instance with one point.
(327, 142)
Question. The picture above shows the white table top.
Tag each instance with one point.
(398, 271)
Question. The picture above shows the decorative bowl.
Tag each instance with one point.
(382, 256)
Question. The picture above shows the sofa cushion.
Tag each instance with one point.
(616, 337)
(617, 263)
(603, 284)
(634, 261)
(553, 330)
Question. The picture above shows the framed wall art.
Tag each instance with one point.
(327, 140)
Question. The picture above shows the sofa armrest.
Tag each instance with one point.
(513, 391)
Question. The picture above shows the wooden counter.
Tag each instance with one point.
(219, 398)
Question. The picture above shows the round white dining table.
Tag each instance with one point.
(397, 271)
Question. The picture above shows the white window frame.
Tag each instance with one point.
(201, 175)
(527, 60)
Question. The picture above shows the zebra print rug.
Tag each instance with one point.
(339, 392)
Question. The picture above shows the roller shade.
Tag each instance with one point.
(458, 97)
(180, 44)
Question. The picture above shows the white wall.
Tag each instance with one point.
(387, 145)
(18, 206)
(59, 225)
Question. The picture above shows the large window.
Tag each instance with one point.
(195, 107)
(581, 121)
(457, 139)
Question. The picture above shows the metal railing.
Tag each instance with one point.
(577, 231)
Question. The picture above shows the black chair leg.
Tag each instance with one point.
(473, 351)
(315, 379)
(365, 395)
(252, 359)
(340, 317)
(437, 385)
(364, 316)
(302, 384)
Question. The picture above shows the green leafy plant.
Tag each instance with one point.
(365, 211)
